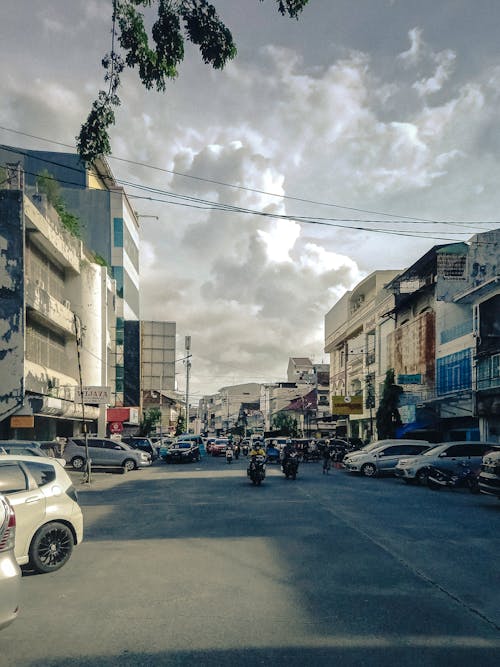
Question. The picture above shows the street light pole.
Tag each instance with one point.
(187, 345)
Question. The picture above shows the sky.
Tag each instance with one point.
(377, 120)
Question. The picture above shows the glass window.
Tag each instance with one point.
(457, 450)
(118, 232)
(12, 478)
(43, 473)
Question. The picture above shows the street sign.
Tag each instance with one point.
(347, 405)
(93, 395)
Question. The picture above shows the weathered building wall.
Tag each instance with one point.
(411, 348)
(12, 322)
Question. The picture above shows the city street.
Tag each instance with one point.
(192, 565)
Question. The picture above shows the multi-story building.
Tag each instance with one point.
(230, 406)
(57, 314)
(356, 330)
(157, 363)
(109, 228)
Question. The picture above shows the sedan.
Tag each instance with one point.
(10, 573)
(219, 446)
(49, 521)
(183, 452)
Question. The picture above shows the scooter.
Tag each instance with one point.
(257, 470)
(291, 466)
(466, 478)
(229, 455)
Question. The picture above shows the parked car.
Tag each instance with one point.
(447, 456)
(489, 476)
(49, 521)
(10, 572)
(28, 447)
(383, 459)
(164, 446)
(105, 452)
(183, 452)
(219, 446)
(144, 444)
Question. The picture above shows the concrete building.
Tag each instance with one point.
(229, 407)
(356, 330)
(109, 228)
(51, 287)
(157, 363)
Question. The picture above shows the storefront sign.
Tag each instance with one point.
(415, 378)
(347, 405)
(22, 421)
(93, 395)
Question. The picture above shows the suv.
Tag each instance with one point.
(449, 456)
(10, 573)
(49, 521)
(144, 444)
(382, 459)
(489, 477)
(104, 452)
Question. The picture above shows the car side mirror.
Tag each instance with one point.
(442, 455)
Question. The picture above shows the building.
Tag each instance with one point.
(356, 330)
(58, 318)
(231, 407)
(108, 227)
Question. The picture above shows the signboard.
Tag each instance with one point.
(116, 427)
(347, 405)
(93, 395)
(22, 421)
(414, 378)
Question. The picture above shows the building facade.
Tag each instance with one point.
(58, 317)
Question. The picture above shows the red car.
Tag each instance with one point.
(219, 446)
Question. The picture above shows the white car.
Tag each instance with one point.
(49, 521)
(10, 573)
(382, 459)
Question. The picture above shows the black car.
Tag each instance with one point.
(183, 452)
(144, 444)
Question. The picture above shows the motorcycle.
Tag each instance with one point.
(244, 450)
(229, 455)
(465, 478)
(257, 470)
(291, 466)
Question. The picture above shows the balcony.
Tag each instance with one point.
(48, 310)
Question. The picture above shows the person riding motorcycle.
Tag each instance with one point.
(286, 452)
(257, 449)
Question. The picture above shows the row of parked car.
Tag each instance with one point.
(411, 460)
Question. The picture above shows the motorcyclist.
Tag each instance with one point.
(286, 453)
(327, 457)
(257, 449)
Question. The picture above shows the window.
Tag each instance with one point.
(43, 473)
(458, 450)
(12, 478)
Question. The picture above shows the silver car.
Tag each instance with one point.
(383, 459)
(105, 452)
(10, 572)
(447, 456)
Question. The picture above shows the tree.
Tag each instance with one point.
(158, 54)
(49, 186)
(286, 424)
(150, 419)
(388, 418)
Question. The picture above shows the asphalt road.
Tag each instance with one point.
(192, 565)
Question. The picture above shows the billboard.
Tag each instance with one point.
(347, 405)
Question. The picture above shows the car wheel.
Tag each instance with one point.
(421, 476)
(51, 547)
(129, 465)
(78, 463)
(369, 470)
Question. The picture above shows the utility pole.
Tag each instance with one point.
(187, 345)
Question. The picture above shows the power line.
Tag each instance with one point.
(248, 189)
